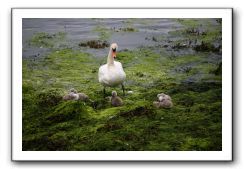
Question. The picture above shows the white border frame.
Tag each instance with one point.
(19, 155)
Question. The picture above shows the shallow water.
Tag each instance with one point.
(78, 30)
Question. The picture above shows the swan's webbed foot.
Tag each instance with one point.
(123, 88)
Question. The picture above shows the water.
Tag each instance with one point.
(78, 30)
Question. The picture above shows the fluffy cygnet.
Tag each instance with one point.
(116, 100)
(82, 96)
(163, 104)
(164, 101)
(73, 95)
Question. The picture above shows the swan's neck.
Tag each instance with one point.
(110, 60)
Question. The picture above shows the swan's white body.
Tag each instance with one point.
(112, 73)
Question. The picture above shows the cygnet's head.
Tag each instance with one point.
(161, 98)
(161, 94)
(72, 90)
(114, 93)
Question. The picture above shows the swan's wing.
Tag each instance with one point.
(102, 74)
(118, 64)
(120, 68)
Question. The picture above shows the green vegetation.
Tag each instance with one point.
(193, 123)
(103, 32)
(201, 36)
(47, 40)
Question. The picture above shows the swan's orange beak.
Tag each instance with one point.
(114, 54)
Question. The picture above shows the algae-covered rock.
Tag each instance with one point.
(138, 111)
(70, 110)
(96, 44)
(49, 97)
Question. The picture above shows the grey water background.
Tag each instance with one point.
(78, 30)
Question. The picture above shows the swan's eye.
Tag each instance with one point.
(114, 49)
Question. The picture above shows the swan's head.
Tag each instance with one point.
(113, 49)
(114, 93)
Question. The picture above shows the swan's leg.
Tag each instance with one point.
(104, 91)
(123, 88)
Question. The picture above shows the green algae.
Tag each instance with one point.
(137, 125)
(200, 35)
(103, 32)
(43, 39)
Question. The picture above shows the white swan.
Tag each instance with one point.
(112, 73)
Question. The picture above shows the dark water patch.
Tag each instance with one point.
(207, 47)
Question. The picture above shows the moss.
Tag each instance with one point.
(68, 111)
(49, 97)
